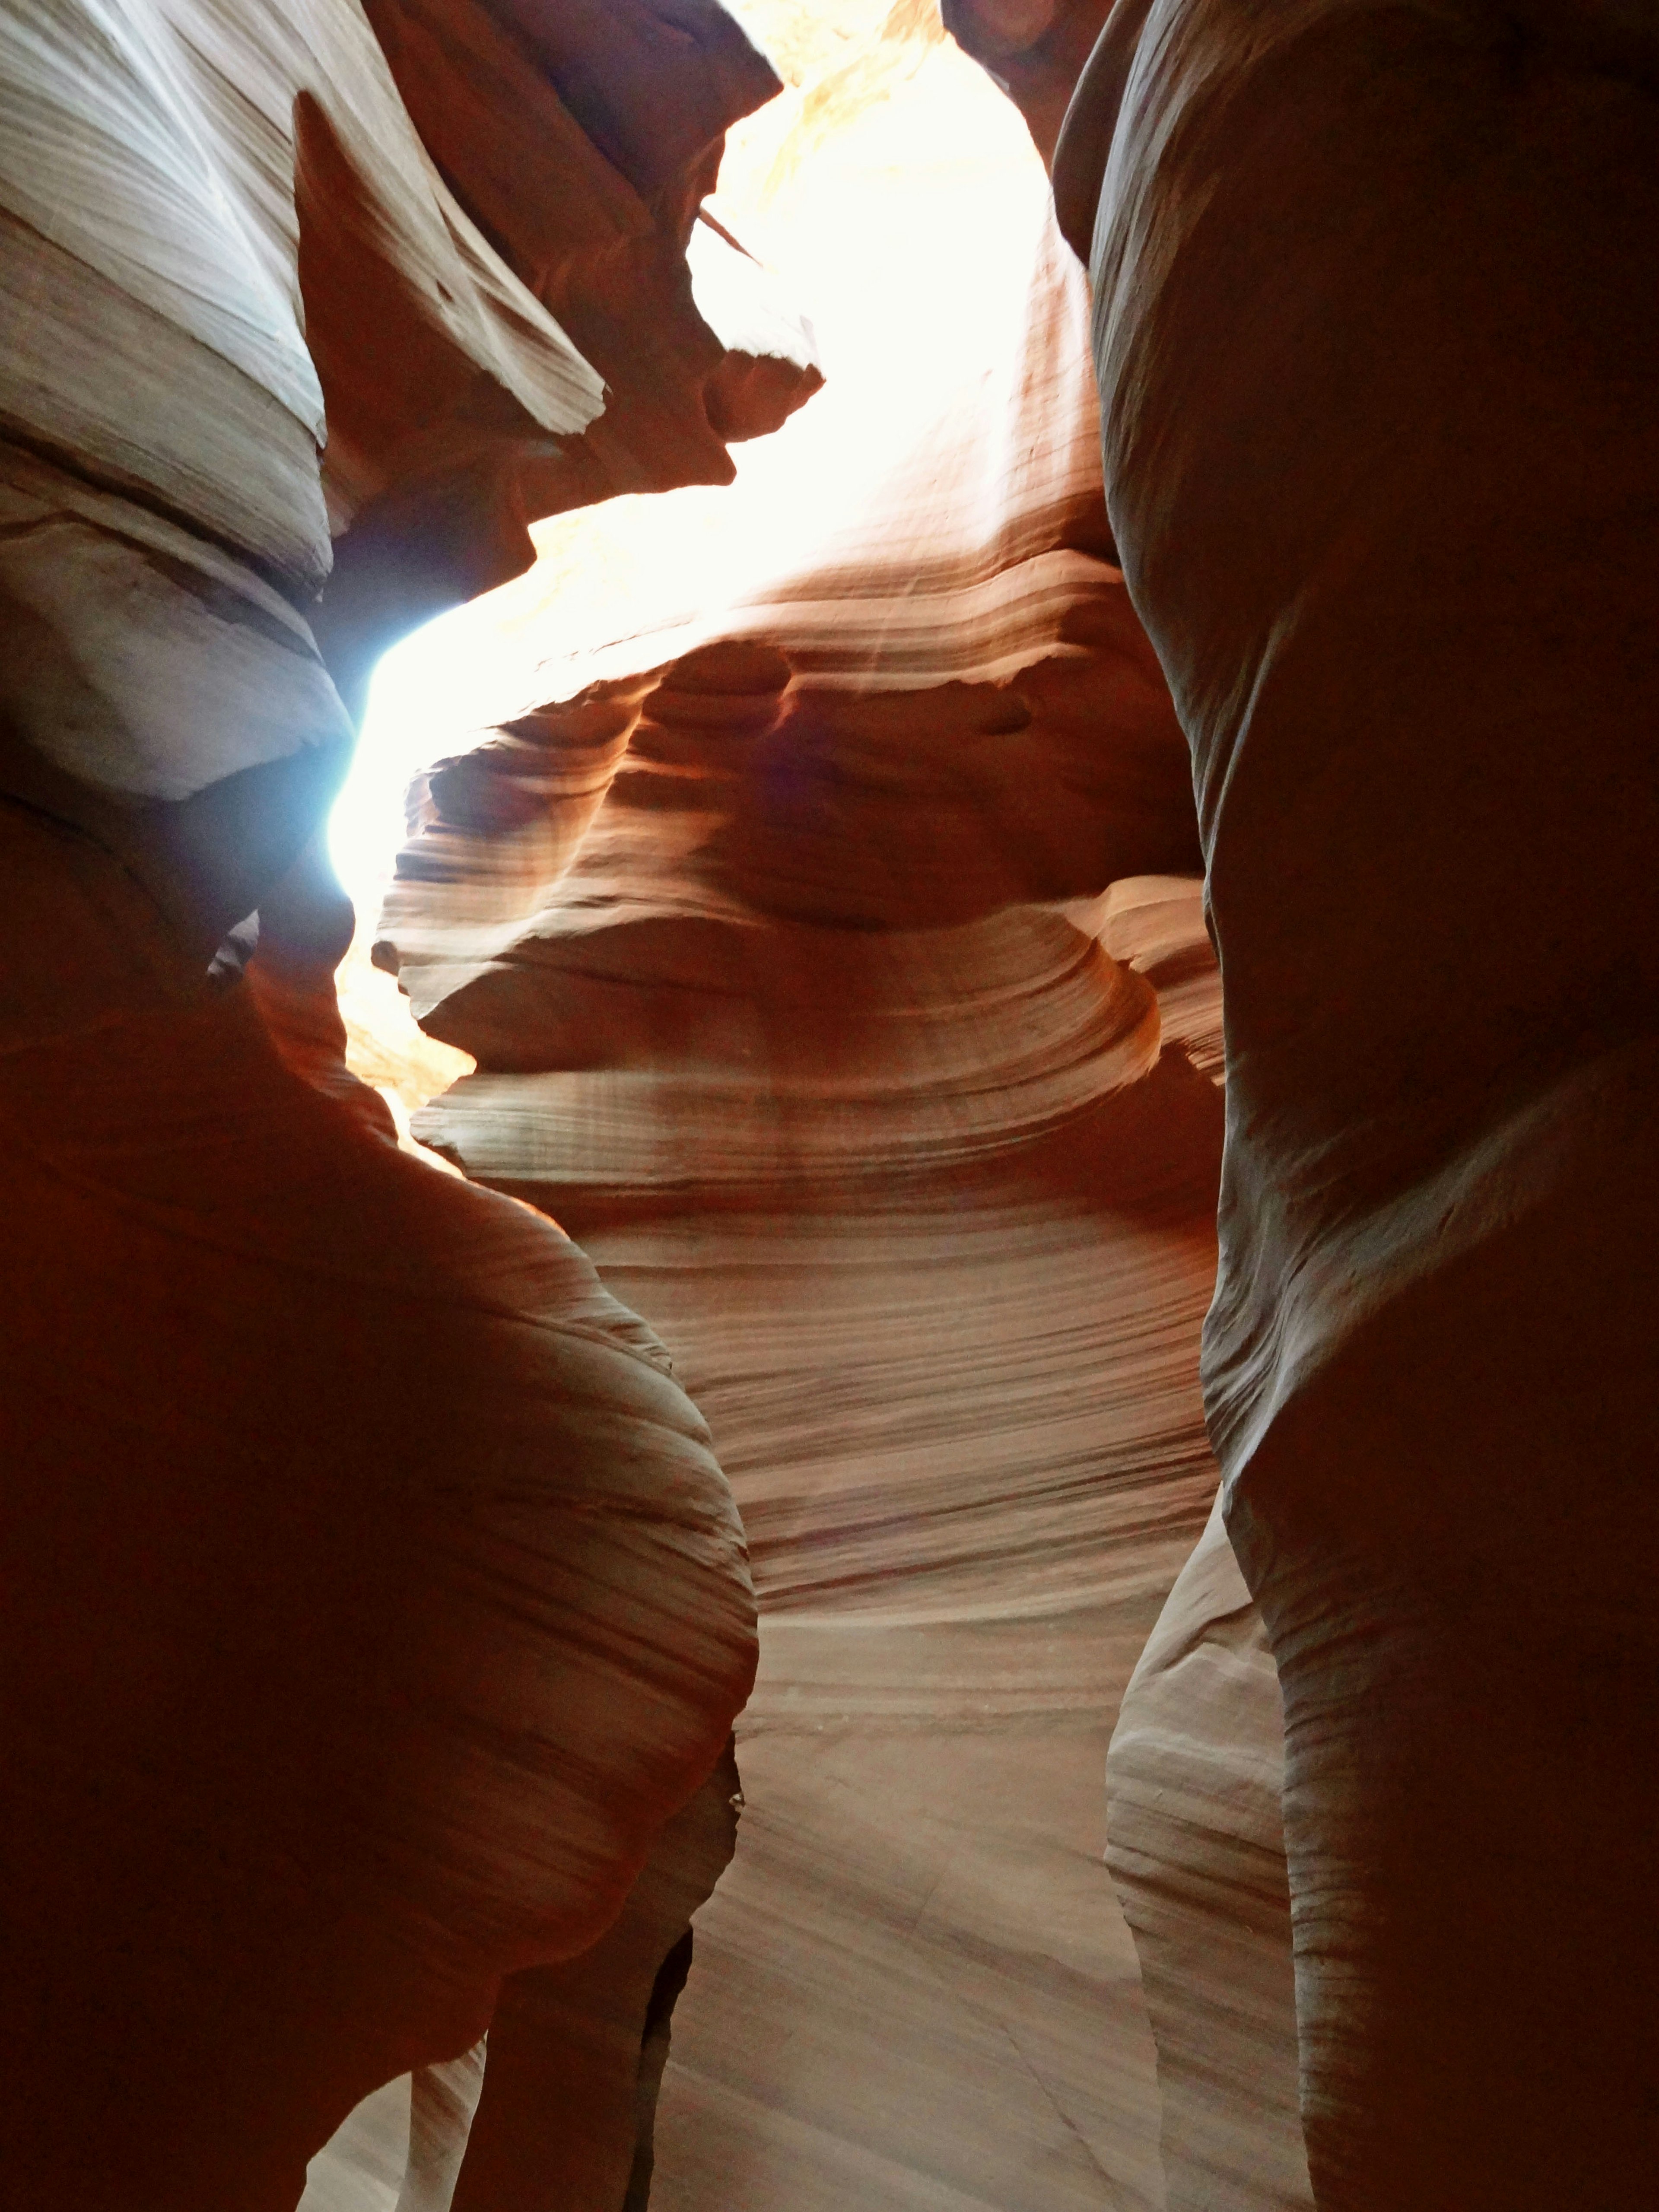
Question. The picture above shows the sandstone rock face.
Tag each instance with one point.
(374, 1596)
(950, 1367)
(376, 1608)
(219, 226)
(292, 1796)
(579, 2131)
(1374, 329)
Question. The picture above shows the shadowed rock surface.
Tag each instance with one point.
(1375, 326)
(1195, 1842)
(373, 1595)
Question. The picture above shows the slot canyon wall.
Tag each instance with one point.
(374, 1596)
(842, 980)
(1375, 322)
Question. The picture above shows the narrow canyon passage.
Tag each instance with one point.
(850, 1131)
(711, 1498)
(915, 1986)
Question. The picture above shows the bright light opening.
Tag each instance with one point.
(897, 194)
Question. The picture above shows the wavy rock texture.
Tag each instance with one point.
(374, 1596)
(868, 1121)
(1375, 331)
(186, 195)
(299, 1791)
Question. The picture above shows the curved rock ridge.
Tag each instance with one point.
(744, 791)
(439, 1656)
(962, 554)
(657, 1040)
(221, 227)
(746, 975)
(594, 209)
(646, 1052)
(958, 1407)
(483, 2133)
(933, 1056)
(1156, 926)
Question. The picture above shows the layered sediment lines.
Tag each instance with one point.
(952, 1386)
(267, 286)
(808, 1026)
(442, 1652)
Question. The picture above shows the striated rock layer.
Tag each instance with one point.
(955, 1401)
(439, 1653)
(789, 971)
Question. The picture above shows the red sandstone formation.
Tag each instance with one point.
(566, 2117)
(373, 1596)
(1375, 321)
(581, 148)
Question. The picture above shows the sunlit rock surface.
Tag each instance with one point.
(373, 1595)
(218, 225)
(786, 972)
